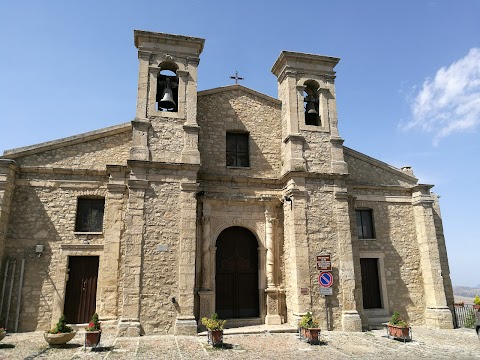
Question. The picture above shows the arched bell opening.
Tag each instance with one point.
(236, 274)
(167, 88)
(311, 103)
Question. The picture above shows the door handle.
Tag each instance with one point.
(84, 284)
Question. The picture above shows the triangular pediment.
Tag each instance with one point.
(241, 88)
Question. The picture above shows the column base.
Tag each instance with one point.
(129, 327)
(185, 325)
(439, 317)
(273, 320)
(351, 321)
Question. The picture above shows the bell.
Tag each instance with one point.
(167, 99)
(311, 108)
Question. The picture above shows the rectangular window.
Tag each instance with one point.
(237, 150)
(90, 215)
(365, 224)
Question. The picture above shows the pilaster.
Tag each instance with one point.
(350, 317)
(437, 313)
(114, 226)
(129, 324)
(296, 246)
(185, 323)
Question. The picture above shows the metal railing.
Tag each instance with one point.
(464, 316)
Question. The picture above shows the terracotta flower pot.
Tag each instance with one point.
(59, 339)
(92, 338)
(216, 337)
(400, 332)
(476, 307)
(313, 335)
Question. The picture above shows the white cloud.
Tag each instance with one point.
(450, 102)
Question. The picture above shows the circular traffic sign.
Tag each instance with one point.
(325, 279)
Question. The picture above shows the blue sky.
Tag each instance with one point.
(408, 84)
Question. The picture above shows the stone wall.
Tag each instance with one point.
(160, 268)
(395, 241)
(92, 155)
(238, 110)
(316, 151)
(44, 214)
(322, 239)
(165, 139)
(367, 171)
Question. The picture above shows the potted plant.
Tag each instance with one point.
(3, 333)
(215, 329)
(93, 332)
(398, 328)
(60, 334)
(476, 302)
(309, 329)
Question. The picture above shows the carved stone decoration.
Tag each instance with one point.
(206, 262)
(273, 316)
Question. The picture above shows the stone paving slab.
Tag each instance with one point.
(427, 344)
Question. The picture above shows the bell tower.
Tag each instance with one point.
(309, 113)
(167, 98)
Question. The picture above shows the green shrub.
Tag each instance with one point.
(397, 320)
(61, 327)
(213, 322)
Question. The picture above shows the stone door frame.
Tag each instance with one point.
(259, 219)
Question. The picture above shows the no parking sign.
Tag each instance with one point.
(325, 279)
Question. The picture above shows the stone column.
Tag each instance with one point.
(273, 308)
(185, 323)
(115, 200)
(350, 318)
(8, 171)
(437, 313)
(129, 324)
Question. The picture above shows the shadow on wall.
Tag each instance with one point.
(397, 243)
(31, 295)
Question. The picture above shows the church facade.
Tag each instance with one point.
(217, 201)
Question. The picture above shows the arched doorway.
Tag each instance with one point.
(236, 280)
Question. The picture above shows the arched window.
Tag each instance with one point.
(167, 88)
(311, 103)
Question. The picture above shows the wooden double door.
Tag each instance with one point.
(81, 292)
(236, 279)
(370, 283)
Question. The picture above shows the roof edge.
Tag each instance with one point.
(71, 140)
(378, 163)
(238, 87)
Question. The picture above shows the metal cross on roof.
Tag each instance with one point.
(236, 77)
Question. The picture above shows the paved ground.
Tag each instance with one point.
(427, 344)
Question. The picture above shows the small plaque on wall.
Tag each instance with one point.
(304, 291)
(162, 247)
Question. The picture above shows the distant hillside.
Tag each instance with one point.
(466, 291)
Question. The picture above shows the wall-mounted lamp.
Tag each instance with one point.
(39, 250)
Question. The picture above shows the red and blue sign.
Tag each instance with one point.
(325, 279)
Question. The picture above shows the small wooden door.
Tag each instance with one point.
(236, 290)
(81, 292)
(370, 283)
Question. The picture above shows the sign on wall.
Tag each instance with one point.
(324, 263)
